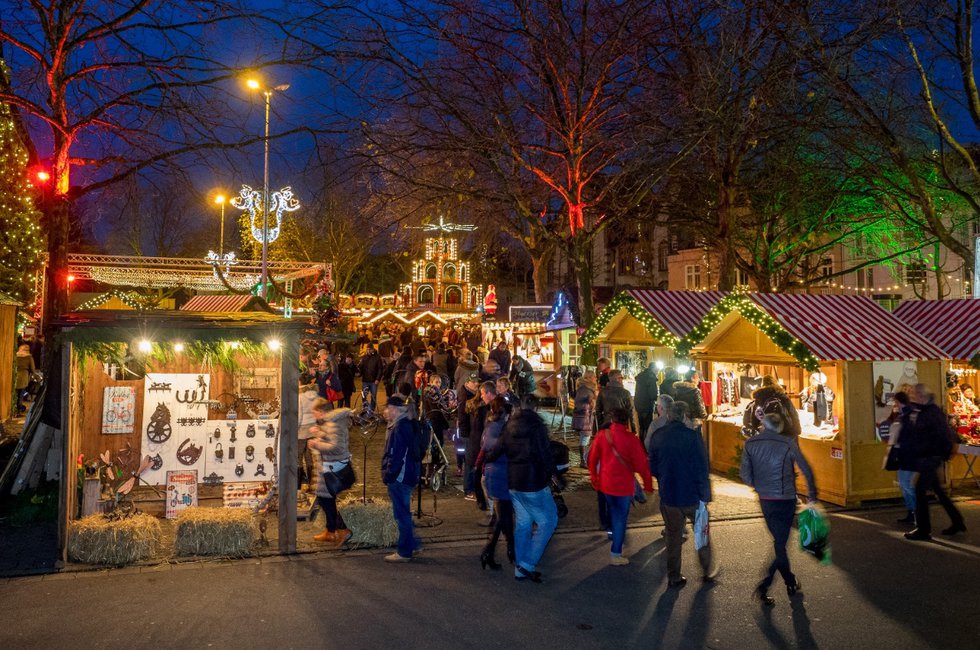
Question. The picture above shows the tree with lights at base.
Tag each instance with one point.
(21, 241)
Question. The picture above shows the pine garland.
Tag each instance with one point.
(637, 311)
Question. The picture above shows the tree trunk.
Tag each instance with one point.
(581, 257)
(540, 259)
(56, 292)
(726, 252)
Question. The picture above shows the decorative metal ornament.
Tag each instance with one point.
(156, 462)
(217, 433)
(188, 453)
(239, 469)
(270, 454)
(250, 201)
(250, 431)
(249, 453)
(270, 431)
(161, 386)
(233, 429)
(260, 470)
(213, 480)
(219, 453)
(231, 453)
(159, 430)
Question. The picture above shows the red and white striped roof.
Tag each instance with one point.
(849, 328)
(224, 303)
(953, 325)
(678, 311)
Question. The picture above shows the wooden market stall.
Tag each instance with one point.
(954, 326)
(837, 347)
(642, 326)
(183, 389)
(8, 348)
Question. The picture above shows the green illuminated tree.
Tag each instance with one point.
(21, 241)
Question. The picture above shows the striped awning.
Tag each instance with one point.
(224, 303)
(678, 311)
(953, 325)
(849, 328)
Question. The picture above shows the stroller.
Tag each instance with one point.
(559, 454)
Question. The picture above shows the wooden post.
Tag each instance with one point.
(69, 478)
(288, 426)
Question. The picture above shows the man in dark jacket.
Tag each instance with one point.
(501, 355)
(469, 390)
(371, 368)
(400, 469)
(614, 396)
(645, 398)
(930, 443)
(689, 392)
(530, 467)
(680, 463)
(397, 370)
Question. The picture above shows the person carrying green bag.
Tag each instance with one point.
(768, 461)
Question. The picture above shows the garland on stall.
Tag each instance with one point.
(766, 323)
(637, 311)
(975, 361)
(128, 299)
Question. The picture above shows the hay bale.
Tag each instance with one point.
(98, 540)
(372, 523)
(228, 532)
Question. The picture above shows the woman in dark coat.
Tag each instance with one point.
(346, 370)
(495, 478)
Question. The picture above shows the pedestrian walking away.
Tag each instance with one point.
(679, 461)
(330, 439)
(496, 481)
(768, 461)
(527, 447)
(616, 456)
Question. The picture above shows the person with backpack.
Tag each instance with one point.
(400, 469)
(770, 398)
(930, 441)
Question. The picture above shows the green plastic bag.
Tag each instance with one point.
(815, 533)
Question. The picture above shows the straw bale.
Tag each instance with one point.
(227, 532)
(97, 539)
(372, 524)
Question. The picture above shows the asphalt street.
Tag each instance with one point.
(880, 591)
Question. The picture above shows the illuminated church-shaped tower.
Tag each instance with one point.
(441, 280)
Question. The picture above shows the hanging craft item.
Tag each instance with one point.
(270, 454)
(250, 431)
(188, 452)
(219, 453)
(217, 433)
(156, 462)
(250, 453)
(158, 430)
(260, 470)
(118, 405)
(239, 469)
(231, 453)
(161, 386)
(233, 429)
(213, 480)
(270, 431)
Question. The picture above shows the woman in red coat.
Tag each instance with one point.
(615, 457)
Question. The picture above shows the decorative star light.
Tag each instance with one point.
(444, 227)
(251, 201)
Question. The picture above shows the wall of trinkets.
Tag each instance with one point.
(188, 433)
(963, 403)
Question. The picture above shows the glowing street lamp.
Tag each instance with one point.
(255, 84)
(221, 199)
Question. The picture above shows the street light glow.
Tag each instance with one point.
(43, 176)
(220, 199)
(274, 344)
(253, 84)
(145, 346)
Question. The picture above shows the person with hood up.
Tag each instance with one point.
(771, 398)
(645, 398)
(466, 365)
(501, 355)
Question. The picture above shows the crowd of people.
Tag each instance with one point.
(471, 397)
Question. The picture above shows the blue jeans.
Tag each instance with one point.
(401, 505)
(370, 387)
(533, 508)
(619, 511)
(907, 487)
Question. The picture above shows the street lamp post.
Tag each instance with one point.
(220, 200)
(254, 84)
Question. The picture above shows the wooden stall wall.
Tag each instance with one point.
(8, 348)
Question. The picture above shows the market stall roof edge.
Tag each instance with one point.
(668, 316)
(952, 325)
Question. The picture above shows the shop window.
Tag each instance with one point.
(865, 278)
(915, 272)
(692, 276)
(826, 267)
(741, 278)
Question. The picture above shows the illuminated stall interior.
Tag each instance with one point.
(825, 351)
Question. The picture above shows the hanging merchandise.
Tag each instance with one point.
(156, 462)
(219, 453)
(260, 469)
(159, 430)
(249, 453)
(270, 431)
(250, 431)
(239, 469)
(270, 454)
(188, 452)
